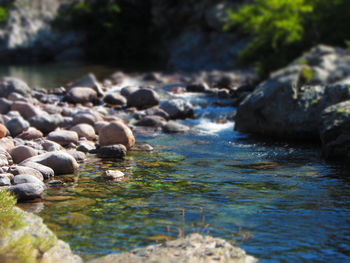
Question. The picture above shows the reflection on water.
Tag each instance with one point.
(53, 75)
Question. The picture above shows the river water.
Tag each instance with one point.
(280, 202)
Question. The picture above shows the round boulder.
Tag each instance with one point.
(116, 133)
(84, 130)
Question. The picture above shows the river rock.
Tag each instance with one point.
(84, 130)
(112, 151)
(5, 106)
(46, 171)
(51, 146)
(81, 95)
(113, 175)
(3, 131)
(30, 134)
(17, 125)
(27, 191)
(335, 130)
(116, 133)
(128, 90)
(26, 109)
(63, 137)
(22, 152)
(46, 123)
(5, 180)
(26, 178)
(85, 117)
(178, 108)
(143, 98)
(194, 248)
(77, 155)
(88, 81)
(86, 147)
(174, 127)
(61, 162)
(115, 99)
(158, 112)
(17, 170)
(10, 84)
(151, 121)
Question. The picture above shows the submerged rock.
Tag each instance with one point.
(113, 175)
(194, 248)
(178, 108)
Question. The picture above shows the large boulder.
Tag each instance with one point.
(143, 98)
(194, 248)
(45, 171)
(116, 133)
(335, 130)
(61, 162)
(63, 137)
(290, 102)
(9, 85)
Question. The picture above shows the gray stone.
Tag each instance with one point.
(27, 191)
(88, 81)
(17, 170)
(115, 99)
(5, 106)
(26, 178)
(77, 155)
(17, 125)
(86, 147)
(85, 130)
(46, 171)
(5, 180)
(143, 98)
(113, 175)
(81, 95)
(128, 90)
(61, 162)
(112, 151)
(63, 137)
(151, 121)
(22, 152)
(46, 123)
(194, 248)
(10, 84)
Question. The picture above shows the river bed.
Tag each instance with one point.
(281, 202)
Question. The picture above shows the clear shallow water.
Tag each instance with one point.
(280, 202)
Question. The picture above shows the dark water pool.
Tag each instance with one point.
(280, 202)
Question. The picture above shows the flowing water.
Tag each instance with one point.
(278, 201)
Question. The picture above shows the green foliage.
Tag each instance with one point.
(4, 14)
(282, 29)
(26, 248)
(10, 218)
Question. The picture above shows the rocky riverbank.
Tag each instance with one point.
(45, 134)
(307, 100)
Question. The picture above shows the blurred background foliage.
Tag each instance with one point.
(281, 29)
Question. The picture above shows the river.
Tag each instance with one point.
(281, 202)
